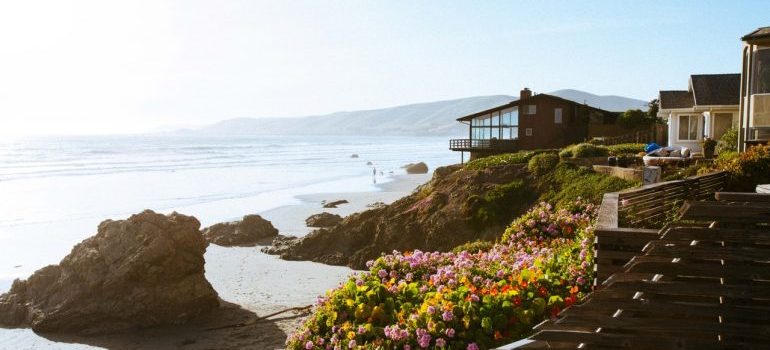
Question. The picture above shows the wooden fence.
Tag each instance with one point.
(648, 206)
(703, 283)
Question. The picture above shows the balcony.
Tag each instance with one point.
(473, 145)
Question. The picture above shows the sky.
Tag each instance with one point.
(103, 67)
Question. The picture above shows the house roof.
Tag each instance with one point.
(672, 99)
(760, 33)
(516, 103)
(716, 89)
(704, 90)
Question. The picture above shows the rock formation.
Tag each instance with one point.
(250, 231)
(334, 204)
(145, 271)
(419, 168)
(437, 216)
(323, 220)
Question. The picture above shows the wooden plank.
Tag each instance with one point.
(738, 271)
(731, 253)
(716, 234)
(743, 197)
(692, 289)
(608, 212)
(725, 212)
(633, 341)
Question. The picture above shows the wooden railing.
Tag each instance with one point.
(647, 207)
(474, 144)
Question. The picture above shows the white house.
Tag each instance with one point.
(755, 92)
(708, 108)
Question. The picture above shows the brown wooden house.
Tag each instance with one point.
(538, 121)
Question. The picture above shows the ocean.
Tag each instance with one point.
(55, 190)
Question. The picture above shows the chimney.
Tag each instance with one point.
(525, 94)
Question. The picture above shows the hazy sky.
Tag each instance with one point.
(112, 67)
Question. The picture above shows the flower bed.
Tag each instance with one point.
(461, 300)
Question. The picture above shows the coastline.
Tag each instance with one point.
(259, 283)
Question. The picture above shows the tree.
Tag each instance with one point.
(633, 118)
(652, 109)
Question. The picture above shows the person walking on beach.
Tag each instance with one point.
(374, 175)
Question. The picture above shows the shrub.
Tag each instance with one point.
(728, 142)
(473, 247)
(542, 163)
(633, 118)
(458, 300)
(501, 159)
(626, 148)
(746, 170)
(500, 202)
(584, 150)
(577, 182)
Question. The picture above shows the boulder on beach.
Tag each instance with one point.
(368, 163)
(144, 271)
(353, 156)
(279, 245)
(323, 220)
(334, 204)
(419, 168)
(250, 231)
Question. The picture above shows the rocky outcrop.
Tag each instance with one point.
(280, 245)
(439, 215)
(250, 231)
(323, 220)
(419, 168)
(334, 204)
(145, 271)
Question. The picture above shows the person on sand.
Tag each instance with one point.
(374, 175)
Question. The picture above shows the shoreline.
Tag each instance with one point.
(244, 277)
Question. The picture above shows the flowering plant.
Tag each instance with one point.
(416, 300)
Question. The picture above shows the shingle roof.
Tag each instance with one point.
(761, 33)
(676, 99)
(716, 89)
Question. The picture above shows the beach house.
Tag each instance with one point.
(754, 117)
(534, 121)
(708, 108)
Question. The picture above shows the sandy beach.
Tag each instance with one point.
(251, 283)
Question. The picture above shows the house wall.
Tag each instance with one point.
(706, 117)
(545, 132)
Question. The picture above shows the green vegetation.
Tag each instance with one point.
(634, 118)
(542, 163)
(473, 247)
(746, 170)
(501, 159)
(728, 142)
(584, 150)
(626, 148)
(569, 182)
(498, 204)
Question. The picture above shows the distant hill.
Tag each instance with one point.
(426, 119)
(610, 103)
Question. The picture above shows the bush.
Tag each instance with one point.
(728, 142)
(473, 247)
(633, 118)
(584, 150)
(499, 203)
(542, 163)
(501, 159)
(746, 170)
(459, 300)
(575, 182)
(626, 148)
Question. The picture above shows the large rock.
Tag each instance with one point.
(323, 220)
(250, 231)
(135, 273)
(419, 168)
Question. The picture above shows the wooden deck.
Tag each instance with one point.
(700, 285)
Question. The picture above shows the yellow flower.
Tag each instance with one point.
(351, 335)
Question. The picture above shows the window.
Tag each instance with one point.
(688, 127)
(557, 115)
(761, 71)
(530, 109)
(528, 131)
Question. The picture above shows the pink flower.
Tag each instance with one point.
(472, 346)
(450, 332)
(352, 344)
(440, 342)
(309, 345)
(447, 316)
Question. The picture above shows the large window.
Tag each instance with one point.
(501, 125)
(530, 109)
(688, 127)
(761, 71)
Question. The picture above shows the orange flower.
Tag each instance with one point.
(498, 336)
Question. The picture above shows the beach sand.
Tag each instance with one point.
(252, 284)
